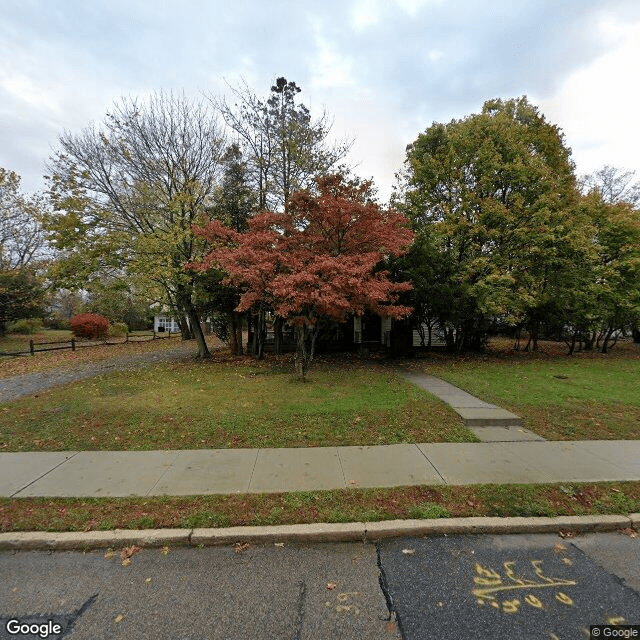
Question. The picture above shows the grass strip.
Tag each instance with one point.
(346, 505)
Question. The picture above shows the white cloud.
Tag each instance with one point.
(332, 69)
(25, 90)
(365, 14)
(597, 106)
(412, 7)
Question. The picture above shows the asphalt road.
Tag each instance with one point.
(520, 586)
(511, 587)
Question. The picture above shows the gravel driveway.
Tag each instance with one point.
(30, 383)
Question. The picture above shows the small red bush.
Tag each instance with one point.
(89, 325)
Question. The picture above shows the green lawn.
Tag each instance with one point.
(345, 505)
(218, 405)
(584, 397)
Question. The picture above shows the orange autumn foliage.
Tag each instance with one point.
(318, 257)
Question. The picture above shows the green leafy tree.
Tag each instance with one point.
(613, 186)
(232, 203)
(617, 241)
(21, 296)
(127, 193)
(118, 301)
(492, 195)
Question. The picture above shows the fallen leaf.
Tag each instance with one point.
(109, 554)
(127, 552)
(119, 618)
(147, 580)
(239, 547)
(632, 533)
(278, 544)
(331, 586)
(560, 548)
(566, 534)
(164, 551)
(409, 552)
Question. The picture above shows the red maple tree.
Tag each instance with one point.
(319, 257)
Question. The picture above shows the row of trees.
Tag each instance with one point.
(242, 209)
(507, 237)
(127, 195)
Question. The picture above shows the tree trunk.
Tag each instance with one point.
(573, 344)
(420, 330)
(635, 331)
(238, 317)
(300, 360)
(233, 336)
(259, 333)
(305, 349)
(532, 345)
(277, 335)
(203, 350)
(185, 329)
(607, 336)
(588, 341)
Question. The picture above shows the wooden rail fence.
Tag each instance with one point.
(74, 344)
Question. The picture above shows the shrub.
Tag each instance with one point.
(26, 326)
(89, 325)
(117, 329)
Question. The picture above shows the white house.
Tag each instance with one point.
(165, 323)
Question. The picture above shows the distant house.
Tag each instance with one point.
(165, 323)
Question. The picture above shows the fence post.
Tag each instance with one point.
(33, 351)
(73, 344)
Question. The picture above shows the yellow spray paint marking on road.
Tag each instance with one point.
(490, 583)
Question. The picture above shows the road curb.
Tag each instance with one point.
(317, 532)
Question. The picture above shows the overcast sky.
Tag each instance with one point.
(384, 69)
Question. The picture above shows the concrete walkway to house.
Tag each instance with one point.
(487, 421)
(228, 471)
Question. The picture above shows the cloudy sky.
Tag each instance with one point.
(384, 69)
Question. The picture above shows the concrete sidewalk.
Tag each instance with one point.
(228, 471)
